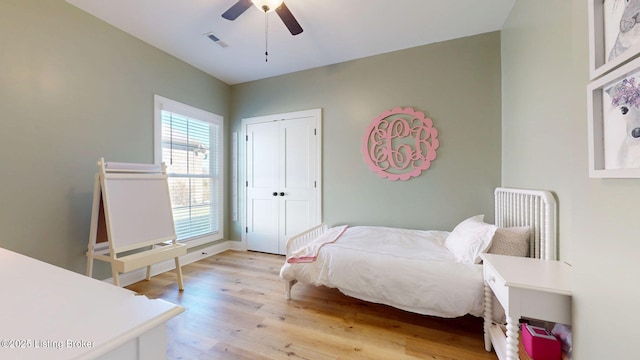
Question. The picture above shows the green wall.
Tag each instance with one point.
(545, 72)
(74, 89)
(456, 83)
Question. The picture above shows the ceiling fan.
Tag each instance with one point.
(266, 5)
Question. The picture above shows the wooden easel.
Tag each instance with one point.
(131, 219)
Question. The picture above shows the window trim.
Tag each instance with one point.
(162, 103)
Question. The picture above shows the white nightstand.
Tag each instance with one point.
(534, 288)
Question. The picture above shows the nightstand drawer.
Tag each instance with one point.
(497, 284)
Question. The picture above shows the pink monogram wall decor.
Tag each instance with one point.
(400, 144)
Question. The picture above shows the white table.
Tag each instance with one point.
(525, 287)
(51, 313)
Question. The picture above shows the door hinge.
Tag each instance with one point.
(314, 132)
(247, 184)
(247, 138)
(246, 229)
(315, 184)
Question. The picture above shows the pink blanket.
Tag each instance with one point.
(309, 253)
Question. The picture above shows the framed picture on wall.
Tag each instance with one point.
(614, 123)
(614, 34)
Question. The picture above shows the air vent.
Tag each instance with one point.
(216, 39)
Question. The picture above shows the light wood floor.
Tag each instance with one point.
(236, 309)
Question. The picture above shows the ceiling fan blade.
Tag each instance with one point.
(237, 9)
(289, 21)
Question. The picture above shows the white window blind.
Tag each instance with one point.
(188, 141)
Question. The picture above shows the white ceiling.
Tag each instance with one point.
(334, 30)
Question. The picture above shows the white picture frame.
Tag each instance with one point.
(605, 35)
(605, 122)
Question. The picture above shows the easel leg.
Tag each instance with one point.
(179, 273)
(149, 266)
(114, 274)
(89, 265)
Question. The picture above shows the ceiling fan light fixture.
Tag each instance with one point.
(267, 5)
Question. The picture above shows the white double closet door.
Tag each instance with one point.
(282, 158)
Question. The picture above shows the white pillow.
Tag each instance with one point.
(469, 239)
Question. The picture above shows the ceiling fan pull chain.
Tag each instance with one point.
(266, 36)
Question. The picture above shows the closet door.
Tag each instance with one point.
(283, 190)
(297, 179)
(262, 181)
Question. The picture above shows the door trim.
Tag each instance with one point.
(317, 113)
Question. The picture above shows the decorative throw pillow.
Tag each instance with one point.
(469, 239)
(513, 241)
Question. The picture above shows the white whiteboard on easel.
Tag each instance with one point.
(138, 209)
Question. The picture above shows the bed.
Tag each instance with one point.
(429, 272)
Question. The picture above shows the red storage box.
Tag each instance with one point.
(540, 343)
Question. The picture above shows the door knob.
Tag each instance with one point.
(275, 193)
(281, 194)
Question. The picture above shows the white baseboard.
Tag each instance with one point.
(169, 265)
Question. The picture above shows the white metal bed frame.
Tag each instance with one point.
(534, 208)
(513, 207)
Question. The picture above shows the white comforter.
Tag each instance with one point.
(406, 269)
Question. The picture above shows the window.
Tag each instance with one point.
(189, 141)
